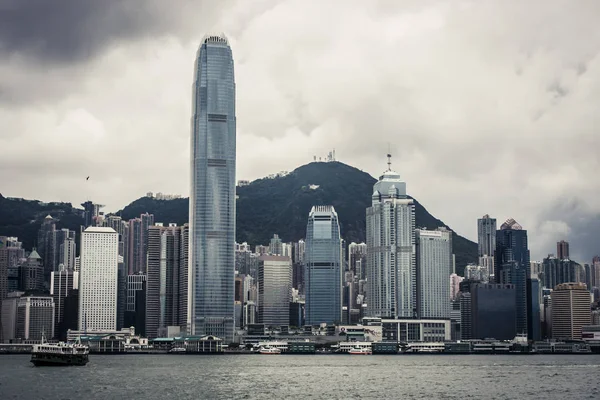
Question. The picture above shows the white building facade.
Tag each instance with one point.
(391, 272)
(434, 266)
(274, 290)
(98, 277)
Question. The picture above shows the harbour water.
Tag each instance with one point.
(308, 377)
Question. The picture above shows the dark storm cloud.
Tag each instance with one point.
(488, 107)
(67, 31)
(583, 226)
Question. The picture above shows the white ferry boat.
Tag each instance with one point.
(359, 351)
(60, 354)
(269, 350)
(178, 350)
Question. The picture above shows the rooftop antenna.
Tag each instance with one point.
(389, 157)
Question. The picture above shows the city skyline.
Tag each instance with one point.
(260, 222)
(306, 90)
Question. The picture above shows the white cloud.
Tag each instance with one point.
(490, 107)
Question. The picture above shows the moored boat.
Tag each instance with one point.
(359, 351)
(178, 350)
(269, 350)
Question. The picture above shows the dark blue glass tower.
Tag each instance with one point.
(512, 266)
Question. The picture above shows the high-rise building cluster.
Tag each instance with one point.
(166, 280)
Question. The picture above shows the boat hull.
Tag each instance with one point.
(51, 360)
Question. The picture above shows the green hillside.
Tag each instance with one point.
(281, 205)
(266, 206)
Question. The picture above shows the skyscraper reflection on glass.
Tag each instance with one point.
(212, 191)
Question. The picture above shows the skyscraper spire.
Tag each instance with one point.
(389, 162)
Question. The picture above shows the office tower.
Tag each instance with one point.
(134, 246)
(287, 250)
(260, 249)
(115, 222)
(121, 292)
(135, 307)
(239, 288)
(44, 241)
(249, 313)
(477, 272)
(184, 277)
(91, 213)
(242, 246)
(493, 311)
(62, 284)
(323, 269)
(31, 274)
(98, 279)
(434, 265)
(562, 250)
(167, 261)
(70, 320)
(11, 253)
(35, 317)
(357, 258)
(570, 310)
(464, 300)
(455, 281)
(588, 271)
(147, 220)
(534, 298)
(55, 247)
(298, 252)
(595, 271)
(243, 262)
(60, 249)
(546, 313)
(391, 268)
(512, 266)
(298, 277)
(66, 249)
(536, 268)
(274, 290)
(124, 245)
(297, 313)
(556, 271)
(212, 193)
(8, 317)
(276, 246)
(486, 240)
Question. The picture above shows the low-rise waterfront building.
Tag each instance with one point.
(416, 330)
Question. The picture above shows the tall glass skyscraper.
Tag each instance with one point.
(323, 267)
(391, 262)
(513, 267)
(486, 239)
(212, 192)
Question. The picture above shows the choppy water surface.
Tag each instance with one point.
(313, 377)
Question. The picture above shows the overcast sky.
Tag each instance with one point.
(489, 106)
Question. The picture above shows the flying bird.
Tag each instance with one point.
(87, 179)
